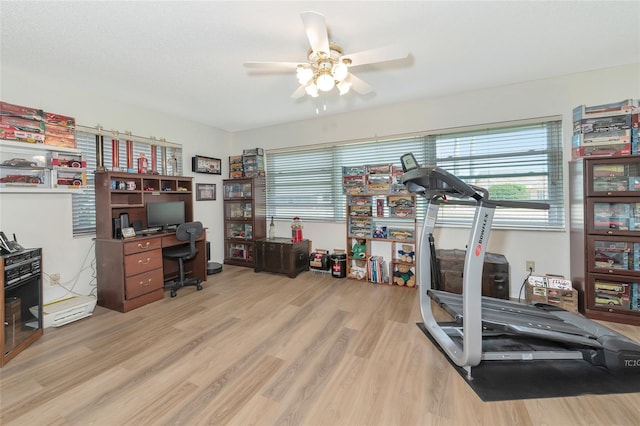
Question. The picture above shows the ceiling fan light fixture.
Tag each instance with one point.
(343, 87)
(304, 74)
(312, 90)
(325, 82)
(340, 71)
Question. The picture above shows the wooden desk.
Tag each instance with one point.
(132, 272)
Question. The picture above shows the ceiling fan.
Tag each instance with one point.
(327, 66)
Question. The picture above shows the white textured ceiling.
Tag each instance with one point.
(185, 57)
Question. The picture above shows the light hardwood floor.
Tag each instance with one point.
(264, 349)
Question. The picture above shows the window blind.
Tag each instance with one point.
(515, 162)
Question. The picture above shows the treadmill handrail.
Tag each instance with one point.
(433, 180)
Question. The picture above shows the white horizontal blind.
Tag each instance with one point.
(84, 204)
(308, 182)
(522, 162)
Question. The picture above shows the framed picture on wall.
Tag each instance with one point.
(205, 191)
(200, 164)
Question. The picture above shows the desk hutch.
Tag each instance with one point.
(131, 272)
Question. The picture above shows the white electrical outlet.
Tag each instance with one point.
(531, 265)
(55, 278)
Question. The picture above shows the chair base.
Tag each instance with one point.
(177, 284)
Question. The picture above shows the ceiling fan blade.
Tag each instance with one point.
(271, 65)
(316, 28)
(381, 54)
(359, 85)
(300, 92)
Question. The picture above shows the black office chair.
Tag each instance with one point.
(189, 231)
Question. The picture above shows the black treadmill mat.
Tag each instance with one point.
(512, 380)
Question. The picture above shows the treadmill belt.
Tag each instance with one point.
(498, 314)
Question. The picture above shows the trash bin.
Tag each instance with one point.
(339, 264)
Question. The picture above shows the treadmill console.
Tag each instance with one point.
(433, 180)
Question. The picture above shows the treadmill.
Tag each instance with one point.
(489, 329)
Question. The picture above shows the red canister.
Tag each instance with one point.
(296, 230)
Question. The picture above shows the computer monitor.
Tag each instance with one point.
(165, 214)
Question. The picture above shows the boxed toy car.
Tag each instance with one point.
(34, 178)
(603, 124)
(20, 111)
(59, 120)
(61, 178)
(24, 124)
(12, 133)
(627, 106)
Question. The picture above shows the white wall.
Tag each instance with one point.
(556, 96)
(45, 220)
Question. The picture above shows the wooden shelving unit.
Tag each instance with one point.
(244, 219)
(381, 226)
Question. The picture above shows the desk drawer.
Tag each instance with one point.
(146, 282)
(142, 262)
(142, 245)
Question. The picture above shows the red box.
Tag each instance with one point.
(24, 124)
(11, 133)
(59, 120)
(21, 111)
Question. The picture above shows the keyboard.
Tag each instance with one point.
(149, 231)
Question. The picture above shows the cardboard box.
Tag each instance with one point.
(20, 111)
(565, 299)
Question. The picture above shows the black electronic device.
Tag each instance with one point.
(165, 214)
(117, 228)
(408, 162)
(9, 246)
(124, 220)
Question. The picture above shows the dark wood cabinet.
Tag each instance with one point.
(244, 219)
(282, 256)
(605, 237)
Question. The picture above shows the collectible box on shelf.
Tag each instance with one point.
(23, 124)
(60, 136)
(21, 111)
(605, 130)
(11, 133)
(360, 210)
(627, 106)
(612, 293)
(65, 160)
(24, 177)
(253, 162)
(603, 124)
(613, 150)
(360, 227)
(68, 178)
(235, 167)
(253, 151)
(402, 234)
(613, 255)
(553, 291)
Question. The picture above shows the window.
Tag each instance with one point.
(515, 162)
(84, 204)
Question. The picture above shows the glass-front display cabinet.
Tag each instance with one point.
(605, 237)
(244, 219)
